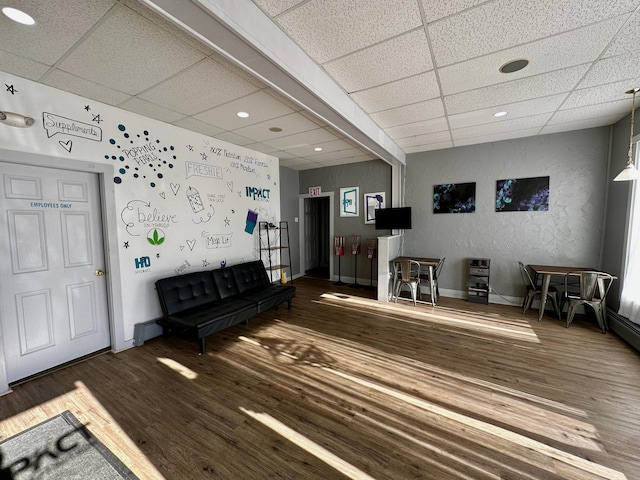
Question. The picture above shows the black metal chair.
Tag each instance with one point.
(533, 290)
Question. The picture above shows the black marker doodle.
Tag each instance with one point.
(140, 156)
(195, 201)
(11, 89)
(227, 222)
(87, 108)
(191, 244)
(190, 147)
(66, 145)
(162, 195)
(205, 263)
(126, 245)
(203, 155)
(174, 188)
(97, 119)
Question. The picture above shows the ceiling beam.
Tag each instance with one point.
(241, 32)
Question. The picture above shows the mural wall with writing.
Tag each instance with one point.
(184, 201)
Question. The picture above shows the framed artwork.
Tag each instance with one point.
(349, 202)
(522, 194)
(454, 198)
(372, 201)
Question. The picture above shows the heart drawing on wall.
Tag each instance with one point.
(66, 145)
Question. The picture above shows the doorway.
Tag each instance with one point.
(53, 297)
(317, 242)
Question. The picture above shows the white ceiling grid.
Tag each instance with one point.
(425, 71)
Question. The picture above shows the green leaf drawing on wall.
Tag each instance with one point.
(156, 238)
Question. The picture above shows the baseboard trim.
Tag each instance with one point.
(624, 328)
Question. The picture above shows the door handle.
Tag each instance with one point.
(99, 273)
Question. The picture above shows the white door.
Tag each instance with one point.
(53, 298)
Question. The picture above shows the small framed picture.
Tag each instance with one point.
(372, 202)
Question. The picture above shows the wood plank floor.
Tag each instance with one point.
(342, 386)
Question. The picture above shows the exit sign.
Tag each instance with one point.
(315, 191)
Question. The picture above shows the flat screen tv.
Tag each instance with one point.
(393, 218)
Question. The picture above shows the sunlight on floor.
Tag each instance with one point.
(474, 322)
(88, 410)
(308, 445)
(584, 437)
(178, 367)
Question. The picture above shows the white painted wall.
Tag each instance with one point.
(195, 191)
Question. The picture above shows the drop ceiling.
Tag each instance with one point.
(362, 79)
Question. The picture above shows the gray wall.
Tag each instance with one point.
(289, 211)
(371, 176)
(570, 233)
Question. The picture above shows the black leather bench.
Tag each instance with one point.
(203, 303)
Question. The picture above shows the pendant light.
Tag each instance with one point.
(630, 172)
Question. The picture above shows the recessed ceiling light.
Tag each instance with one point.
(18, 16)
(242, 114)
(514, 65)
(318, 149)
(499, 114)
(275, 129)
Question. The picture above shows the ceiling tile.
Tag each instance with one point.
(356, 159)
(276, 7)
(339, 154)
(261, 147)
(200, 87)
(401, 92)
(259, 105)
(328, 30)
(490, 129)
(614, 69)
(425, 139)
(626, 43)
(23, 67)
(612, 109)
(80, 86)
(412, 129)
(65, 22)
(384, 62)
(174, 30)
(334, 146)
(515, 91)
(498, 25)
(611, 93)
(579, 124)
(125, 43)
(436, 9)
(514, 110)
(429, 146)
(297, 162)
(290, 124)
(234, 138)
(497, 137)
(196, 125)
(308, 139)
(555, 53)
(151, 110)
(409, 113)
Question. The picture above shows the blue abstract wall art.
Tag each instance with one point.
(454, 198)
(522, 195)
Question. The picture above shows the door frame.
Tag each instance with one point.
(106, 192)
(302, 231)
